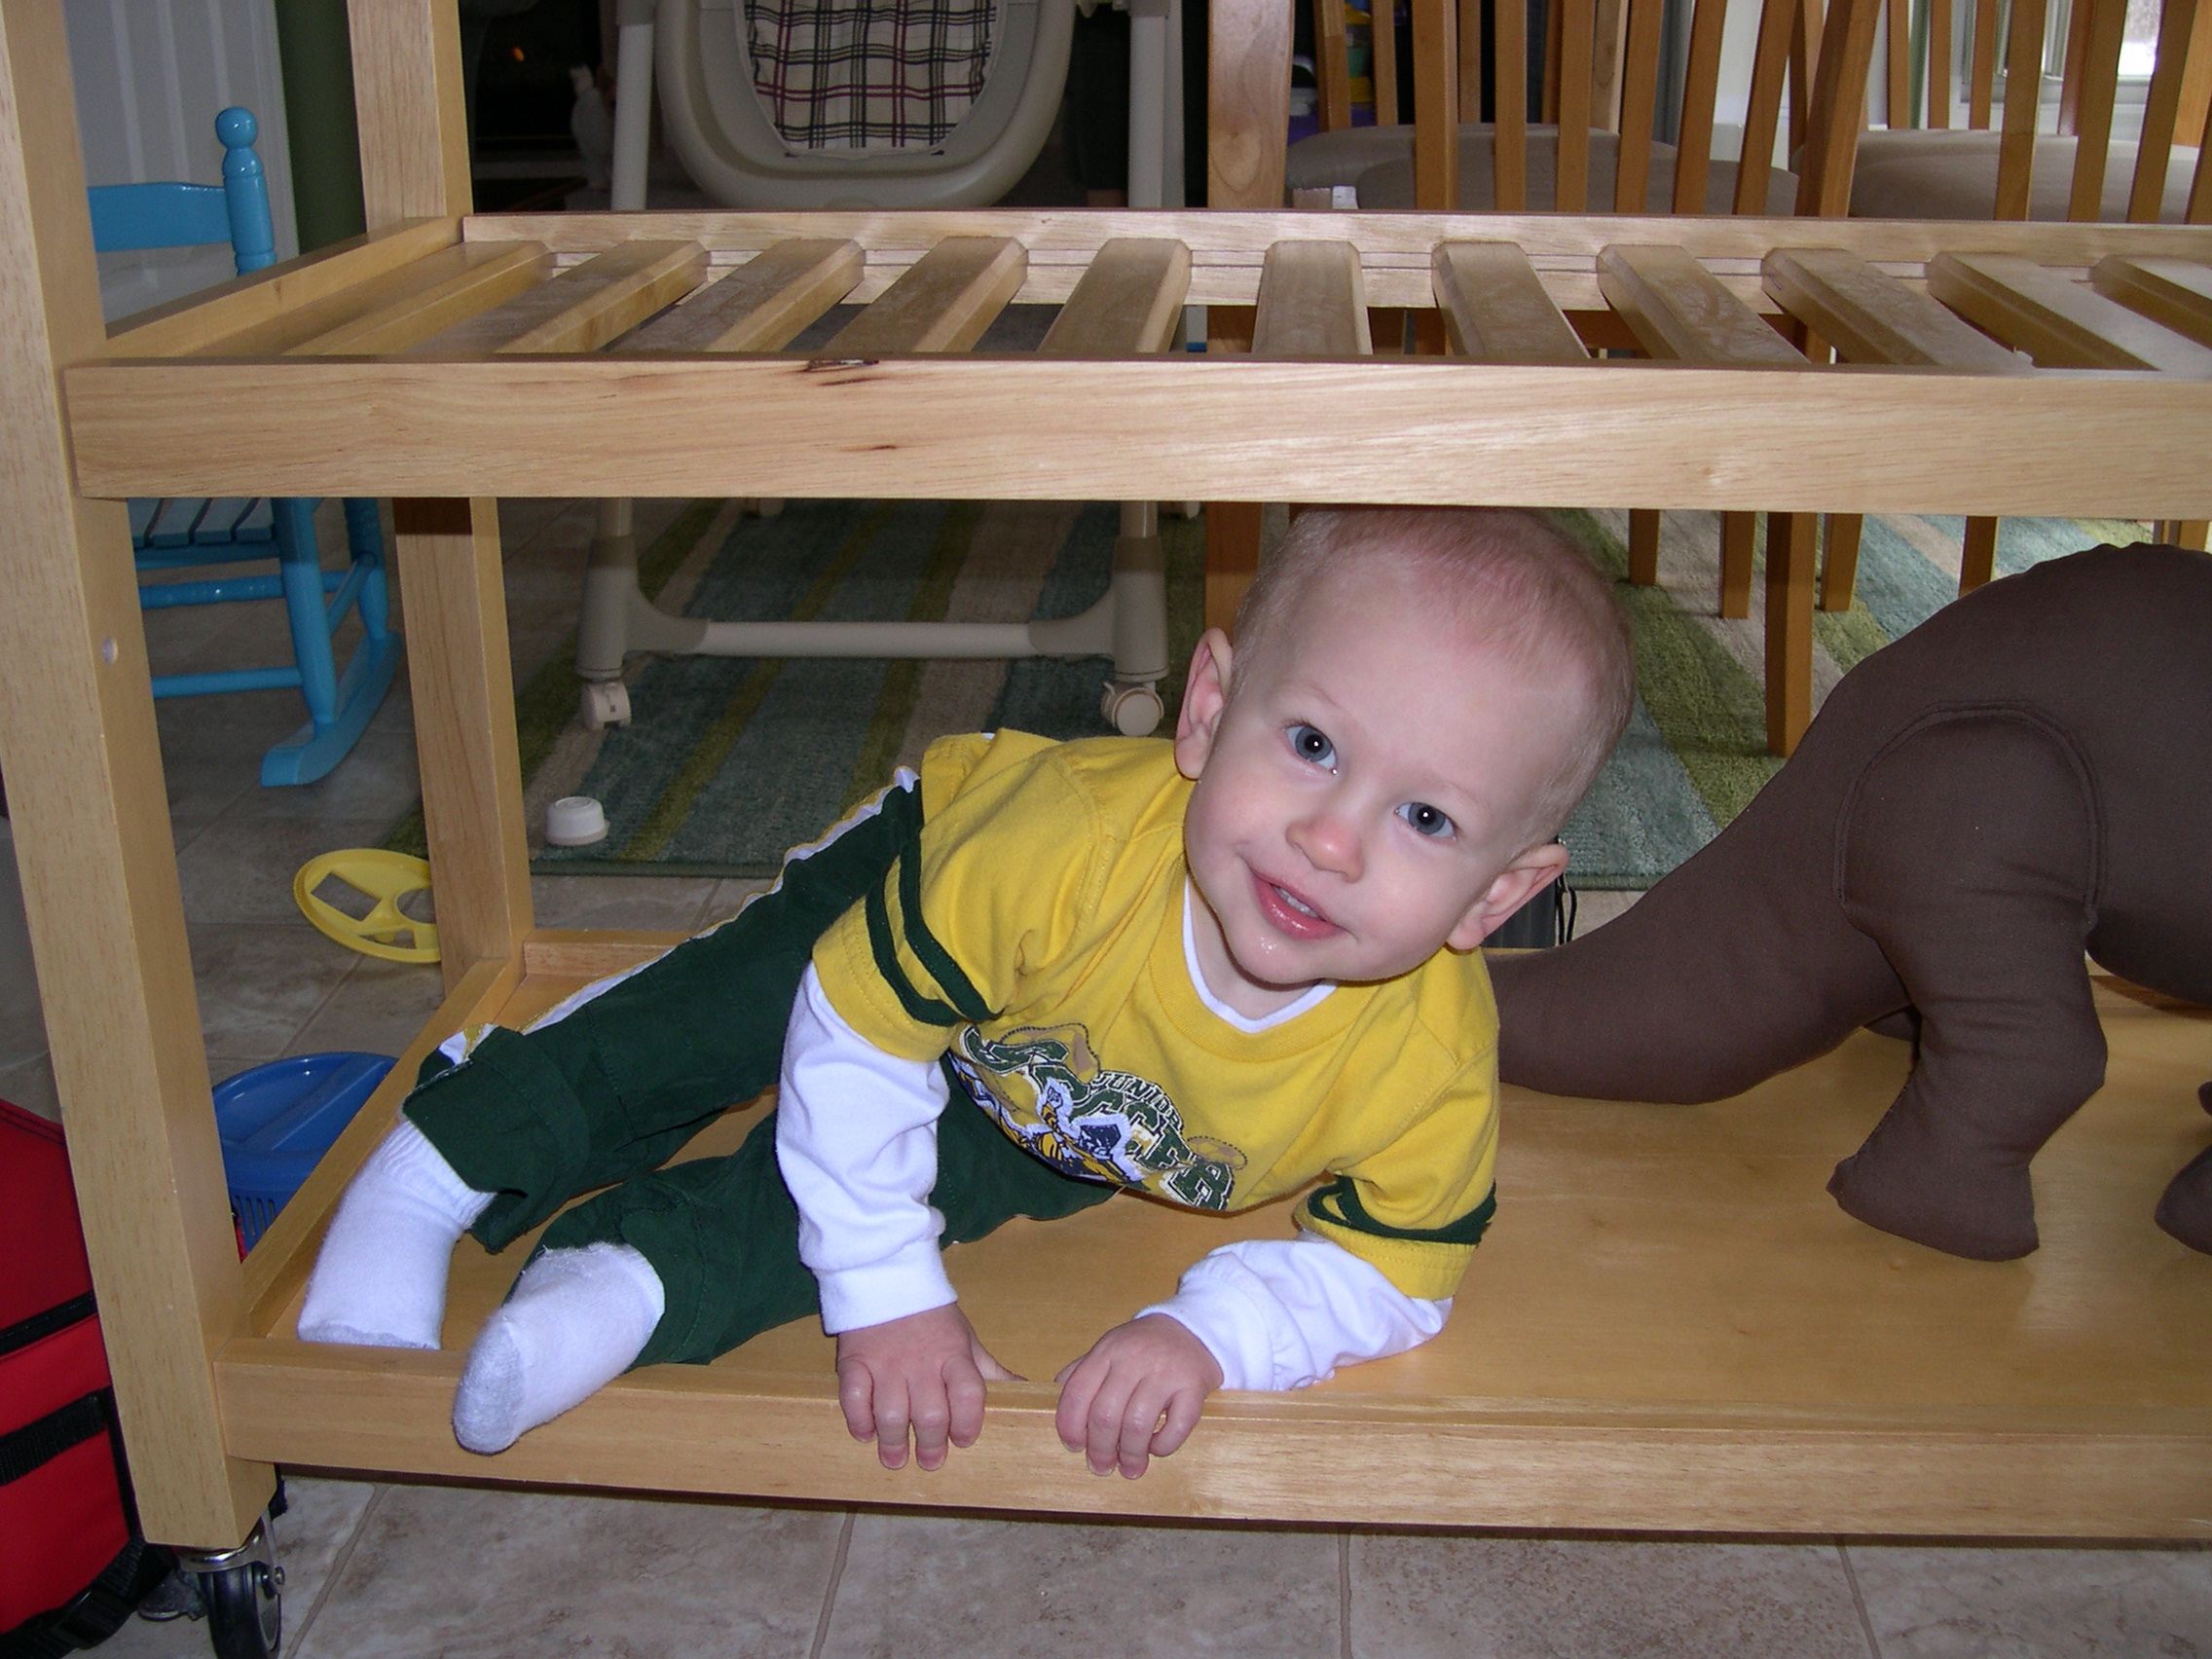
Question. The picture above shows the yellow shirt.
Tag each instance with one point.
(1034, 935)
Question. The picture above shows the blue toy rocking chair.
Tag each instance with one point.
(172, 535)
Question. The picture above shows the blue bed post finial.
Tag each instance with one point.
(245, 190)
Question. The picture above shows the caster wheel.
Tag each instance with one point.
(1133, 710)
(246, 1609)
(603, 703)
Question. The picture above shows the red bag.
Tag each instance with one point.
(74, 1565)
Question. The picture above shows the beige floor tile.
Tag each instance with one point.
(1415, 1596)
(229, 875)
(260, 984)
(672, 902)
(730, 897)
(377, 779)
(2036, 1603)
(29, 1083)
(458, 1572)
(376, 1009)
(999, 1589)
(1592, 910)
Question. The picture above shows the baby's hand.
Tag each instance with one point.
(925, 1372)
(1113, 1398)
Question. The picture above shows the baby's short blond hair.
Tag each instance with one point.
(1517, 584)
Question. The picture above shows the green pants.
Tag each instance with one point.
(605, 1095)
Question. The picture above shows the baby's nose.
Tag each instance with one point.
(1330, 842)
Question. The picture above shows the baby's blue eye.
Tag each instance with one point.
(1424, 820)
(1309, 743)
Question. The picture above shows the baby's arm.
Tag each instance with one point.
(1261, 1313)
(856, 1138)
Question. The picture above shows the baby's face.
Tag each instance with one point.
(1362, 797)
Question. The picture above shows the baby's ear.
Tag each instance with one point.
(1519, 882)
(1205, 694)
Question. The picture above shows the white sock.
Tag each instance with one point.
(575, 1321)
(379, 1281)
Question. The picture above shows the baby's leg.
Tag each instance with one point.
(687, 1263)
(612, 1085)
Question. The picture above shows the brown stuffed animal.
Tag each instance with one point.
(2025, 777)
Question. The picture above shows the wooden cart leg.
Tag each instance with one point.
(1839, 570)
(1977, 560)
(1738, 530)
(85, 788)
(1788, 628)
(1233, 557)
(455, 607)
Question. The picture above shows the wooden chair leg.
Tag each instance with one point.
(1978, 562)
(1643, 546)
(1839, 570)
(1738, 531)
(1789, 538)
(1232, 558)
(2181, 533)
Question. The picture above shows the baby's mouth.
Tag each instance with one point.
(1290, 913)
(1297, 903)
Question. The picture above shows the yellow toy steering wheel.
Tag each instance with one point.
(386, 877)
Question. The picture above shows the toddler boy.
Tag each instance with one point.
(1212, 970)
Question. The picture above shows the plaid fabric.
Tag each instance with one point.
(869, 74)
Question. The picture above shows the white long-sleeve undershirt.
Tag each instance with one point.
(856, 1138)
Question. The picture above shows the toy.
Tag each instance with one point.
(2023, 778)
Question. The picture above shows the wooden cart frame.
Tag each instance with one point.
(1681, 1333)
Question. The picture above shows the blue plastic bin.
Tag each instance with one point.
(277, 1121)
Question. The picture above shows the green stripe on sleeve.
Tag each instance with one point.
(1337, 1203)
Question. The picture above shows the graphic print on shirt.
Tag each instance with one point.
(1047, 1088)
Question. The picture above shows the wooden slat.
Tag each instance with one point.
(943, 303)
(584, 307)
(1470, 59)
(199, 320)
(394, 310)
(1643, 546)
(1640, 95)
(1578, 26)
(2100, 87)
(1436, 105)
(2059, 322)
(2175, 293)
(1128, 303)
(1762, 114)
(1896, 87)
(1977, 554)
(1247, 69)
(1509, 140)
(2195, 82)
(1838, 109)
(1680, 311)
(1871, 316)
(1846, 439)
(1701, 86)
(2161, 109)
(1939, 64)
(2016, 149)
(1312, 303)
(1981, 82)
(1383, 61)
(1554, 29)
(1805, 48)
(1332, 68)
(761, 306)
(1495, 310)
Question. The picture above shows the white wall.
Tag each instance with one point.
(150, 77)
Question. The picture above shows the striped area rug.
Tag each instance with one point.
(727, 762)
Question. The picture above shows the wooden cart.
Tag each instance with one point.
(1670, 1328)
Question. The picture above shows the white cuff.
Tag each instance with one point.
(911, 1282)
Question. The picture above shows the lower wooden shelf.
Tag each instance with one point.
(1670, 1327)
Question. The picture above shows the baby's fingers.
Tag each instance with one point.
(892, 1416)
(1079, 1388)
(1182, 1408)
(856, 1398)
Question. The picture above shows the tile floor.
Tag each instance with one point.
(399, 1570)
